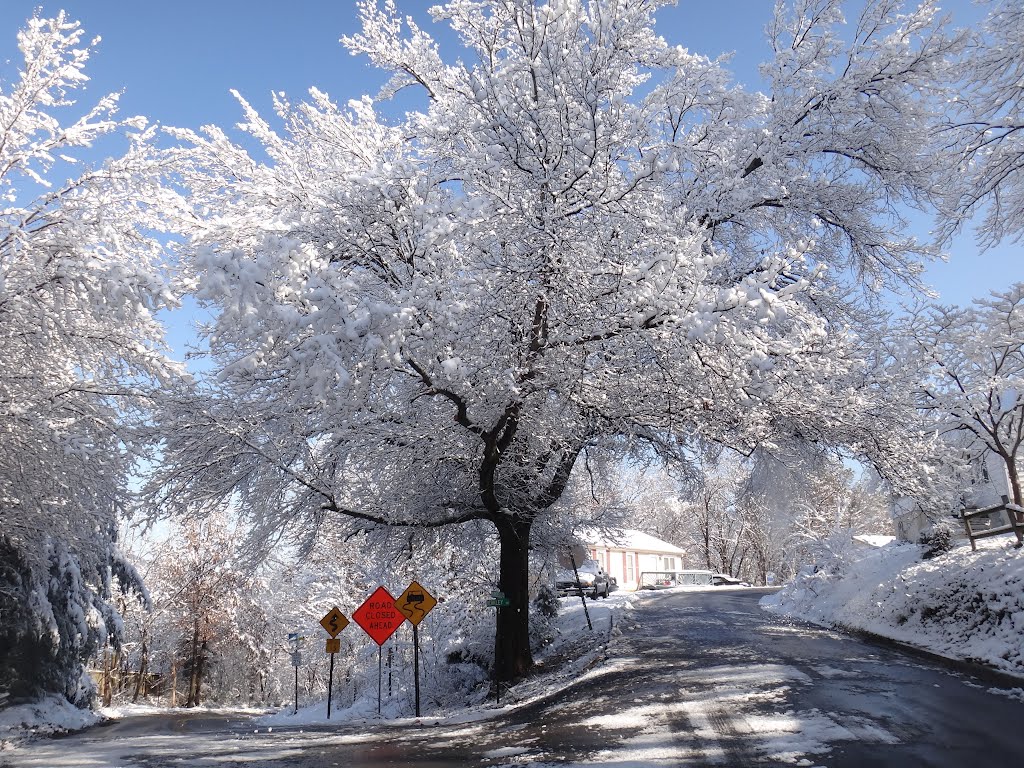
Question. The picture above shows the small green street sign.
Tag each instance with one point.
(497, 594)
(498, 602)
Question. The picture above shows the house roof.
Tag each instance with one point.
(628, 539)
(873, 540)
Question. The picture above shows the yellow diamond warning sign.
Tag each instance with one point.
(334, 622)
(415, 603)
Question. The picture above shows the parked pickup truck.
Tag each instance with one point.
(593, 582)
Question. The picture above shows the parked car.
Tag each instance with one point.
(593, 582)
(725, 580)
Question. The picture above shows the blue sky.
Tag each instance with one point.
(176, 61)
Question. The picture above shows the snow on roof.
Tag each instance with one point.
(873, 540)
(626, 538)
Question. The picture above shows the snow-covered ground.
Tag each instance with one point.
(962, 605)
(749, 708)
(51, 715)
(572, 648)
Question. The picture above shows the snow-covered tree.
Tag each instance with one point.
(973, 362)
(202, 590)
(764, 514)
(80, 278)
(587, 235)
(989, 127)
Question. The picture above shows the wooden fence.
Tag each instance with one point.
(985, 522)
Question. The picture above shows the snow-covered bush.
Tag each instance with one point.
(54, 623)
(546, 602)
(937, 540)
(542, 618)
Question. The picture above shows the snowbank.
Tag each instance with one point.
(51, 715)
(963, 605)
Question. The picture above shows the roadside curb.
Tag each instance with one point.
(974, 668)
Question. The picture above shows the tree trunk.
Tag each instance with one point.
(106, 692)
(1014, 477)
(512, 656)
(174, 681)
(143, 665)
(193, 667)
(198, 677)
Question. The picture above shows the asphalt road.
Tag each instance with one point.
(701, 678)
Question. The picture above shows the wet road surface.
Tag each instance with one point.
(698, 678)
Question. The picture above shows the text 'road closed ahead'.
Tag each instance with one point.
(378, 616)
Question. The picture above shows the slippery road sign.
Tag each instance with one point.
(415, 603)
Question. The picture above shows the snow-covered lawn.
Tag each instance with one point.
(962, 605)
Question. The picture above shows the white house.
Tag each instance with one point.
(984, 485)
(625, 554)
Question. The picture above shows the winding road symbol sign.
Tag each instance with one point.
(415, 603)
(334, 622)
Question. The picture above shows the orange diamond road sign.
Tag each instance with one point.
(334, 645)
(378, 616)
(334, 622)
(415, 603)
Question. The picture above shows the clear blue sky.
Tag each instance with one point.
(176, 61)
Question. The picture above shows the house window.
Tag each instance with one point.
(668, 563)
(630, 571)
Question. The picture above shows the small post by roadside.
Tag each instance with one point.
(416, 665)
(295, 639)
(332, 647)
(415, 603)
(333, 623)
(576, 573)
(498, 601)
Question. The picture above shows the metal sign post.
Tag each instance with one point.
(415, 603)
(333, 647)
(379, 617)
(416, 665)
(334, 622)
(498, 600)
(295, 638)
(330, 686)
(296, 662)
